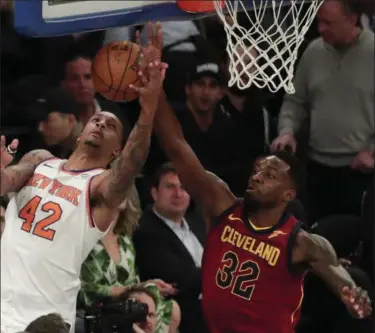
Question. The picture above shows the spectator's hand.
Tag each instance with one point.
(364, 161)
(283, 141)
(164, 288)
(357, 302)
(5, 157)
(153, 50)
(151, 87)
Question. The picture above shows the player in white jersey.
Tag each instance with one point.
(63, 207)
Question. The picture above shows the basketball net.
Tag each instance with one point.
(261, 54)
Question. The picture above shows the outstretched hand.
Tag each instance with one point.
(152, 85)
(357, 302)
(5, 157)
(153, 50)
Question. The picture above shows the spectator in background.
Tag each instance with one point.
(169, 245)
(110, 270)
(248, 109)
(225, 133)
(51, 323)
(335, 88)
(76, 79)
(208, 128)
(144, 296)
(58, 119)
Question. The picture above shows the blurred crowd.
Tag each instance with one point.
(154, 250)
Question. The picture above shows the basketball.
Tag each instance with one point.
(114, 68)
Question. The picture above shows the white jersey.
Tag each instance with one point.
(48, 234)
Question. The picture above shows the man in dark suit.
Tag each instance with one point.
(169, 245)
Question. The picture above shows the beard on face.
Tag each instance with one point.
(253, 205)
(91, 144)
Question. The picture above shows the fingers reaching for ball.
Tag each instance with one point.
(153, 50)
(152, 85)
(156, 74)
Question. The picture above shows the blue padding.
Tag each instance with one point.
(28, 19)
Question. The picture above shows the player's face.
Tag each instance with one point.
(104, 132)
(270, 184)
(170, 197)
(204, 94)
(149, 325)
(78, 81)
(334, 24)
(56, 128)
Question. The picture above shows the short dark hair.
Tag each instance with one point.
(52, 322)
(162, 171)
(69, 56)
(297, 171)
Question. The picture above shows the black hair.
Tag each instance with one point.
(297, 171)
(69, 56)
(160, 172)
(52, 322)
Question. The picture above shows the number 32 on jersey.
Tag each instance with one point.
(40, 228)
(239, 276)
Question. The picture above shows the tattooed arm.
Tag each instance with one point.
(15, 176)
(111, 188)
(319, 254)
(120, 178)
(322, 259)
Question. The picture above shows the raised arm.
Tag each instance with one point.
(205, 189)
(15, 176)
(110, 189)
(321, 257)
(211, 194)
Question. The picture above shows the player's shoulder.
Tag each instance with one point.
(232, 213)
(37, 155)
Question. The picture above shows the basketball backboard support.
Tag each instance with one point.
(45, 18)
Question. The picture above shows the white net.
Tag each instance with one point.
(263, 48)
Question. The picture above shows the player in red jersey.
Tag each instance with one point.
(252, 265)
(256, 258)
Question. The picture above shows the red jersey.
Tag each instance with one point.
(248, 285)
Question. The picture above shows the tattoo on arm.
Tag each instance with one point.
(129, 164)
(15, 176)
(323, 261)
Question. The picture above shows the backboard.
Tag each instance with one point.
(46, 18)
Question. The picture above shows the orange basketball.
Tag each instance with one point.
(114, 68)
